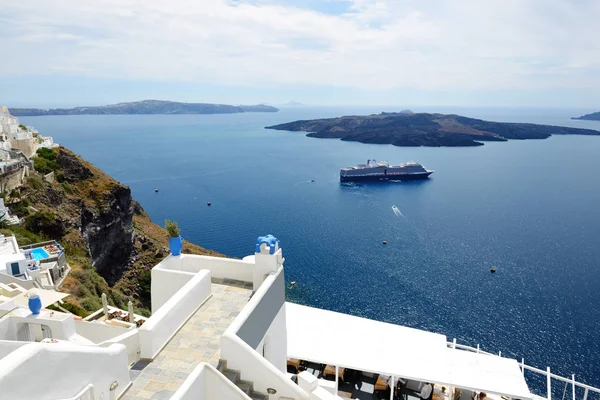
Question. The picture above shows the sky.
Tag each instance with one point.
(531, 53)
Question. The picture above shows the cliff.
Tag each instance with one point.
(590, 117)
(145, 107)
(422, 129)
(110, 241)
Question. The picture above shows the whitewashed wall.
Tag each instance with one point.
(221, 268)
(167, 320)
(8, 346)
(165, 283)
(6, 329)
(98, 332)
(31, 372)
(206, 383)
(7, 279)
(261, 323)
(131, 340)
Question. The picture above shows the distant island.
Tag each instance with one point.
(145, 107)
(293, 103)
(422, 129)
(589, 117)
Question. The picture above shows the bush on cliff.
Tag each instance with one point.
(46, 224)
(45, 162)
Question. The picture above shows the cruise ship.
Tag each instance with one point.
(221, 329)
(382, 171)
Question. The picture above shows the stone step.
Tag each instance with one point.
(246, 386)
(232, 375)
(222, 365)
(258, 396)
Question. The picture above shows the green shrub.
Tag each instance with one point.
(23, 127)
(45, 162)
(23, 236)
(91, 304)
(20, 208)
(145, 285)
(44, 166)
(72, 308)
(66, 186)
(47, 154)
(60, 176)
(47, 224)
(172, 228)
(35, 182)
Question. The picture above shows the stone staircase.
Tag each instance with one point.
(235, 377)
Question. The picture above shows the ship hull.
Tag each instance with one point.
(383, 177)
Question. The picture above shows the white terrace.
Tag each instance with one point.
(221, 329)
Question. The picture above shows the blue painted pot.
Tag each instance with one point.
(175, 245)
(35, 304)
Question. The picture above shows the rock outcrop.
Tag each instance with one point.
(109, 234)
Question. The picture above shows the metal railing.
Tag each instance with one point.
(87, 393)
(549, 375)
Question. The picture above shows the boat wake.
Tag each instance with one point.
(397, 212)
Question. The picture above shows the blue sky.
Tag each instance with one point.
(541, 53)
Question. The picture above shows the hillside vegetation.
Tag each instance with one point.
(110, 242)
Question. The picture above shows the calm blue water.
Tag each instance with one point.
(528, 208)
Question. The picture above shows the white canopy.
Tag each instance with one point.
(339, 339)
(48, 297)
(482, 372)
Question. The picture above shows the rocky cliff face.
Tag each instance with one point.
(109, 234)
(104, 231)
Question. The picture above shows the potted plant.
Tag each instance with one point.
(175, 241)
(34, 303)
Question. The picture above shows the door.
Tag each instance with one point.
(46, 332)
(15, 269)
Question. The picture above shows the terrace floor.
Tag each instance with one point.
(199, 340)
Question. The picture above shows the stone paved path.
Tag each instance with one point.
(198, 340)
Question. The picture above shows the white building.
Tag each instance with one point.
(221, 329)
(32, 266)
(12, 135)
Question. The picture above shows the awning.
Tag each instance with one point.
(339, 339)
(48, 297)
(489, 373)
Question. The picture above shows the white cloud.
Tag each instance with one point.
(440, 44)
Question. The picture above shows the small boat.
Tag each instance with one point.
(155, 190)
(209, 203)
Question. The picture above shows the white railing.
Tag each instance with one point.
(87, 393)
(549, 375)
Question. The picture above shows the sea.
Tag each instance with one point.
(530, 209)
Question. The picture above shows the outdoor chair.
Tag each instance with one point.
(329, 373)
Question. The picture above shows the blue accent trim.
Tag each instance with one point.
(270, 240)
